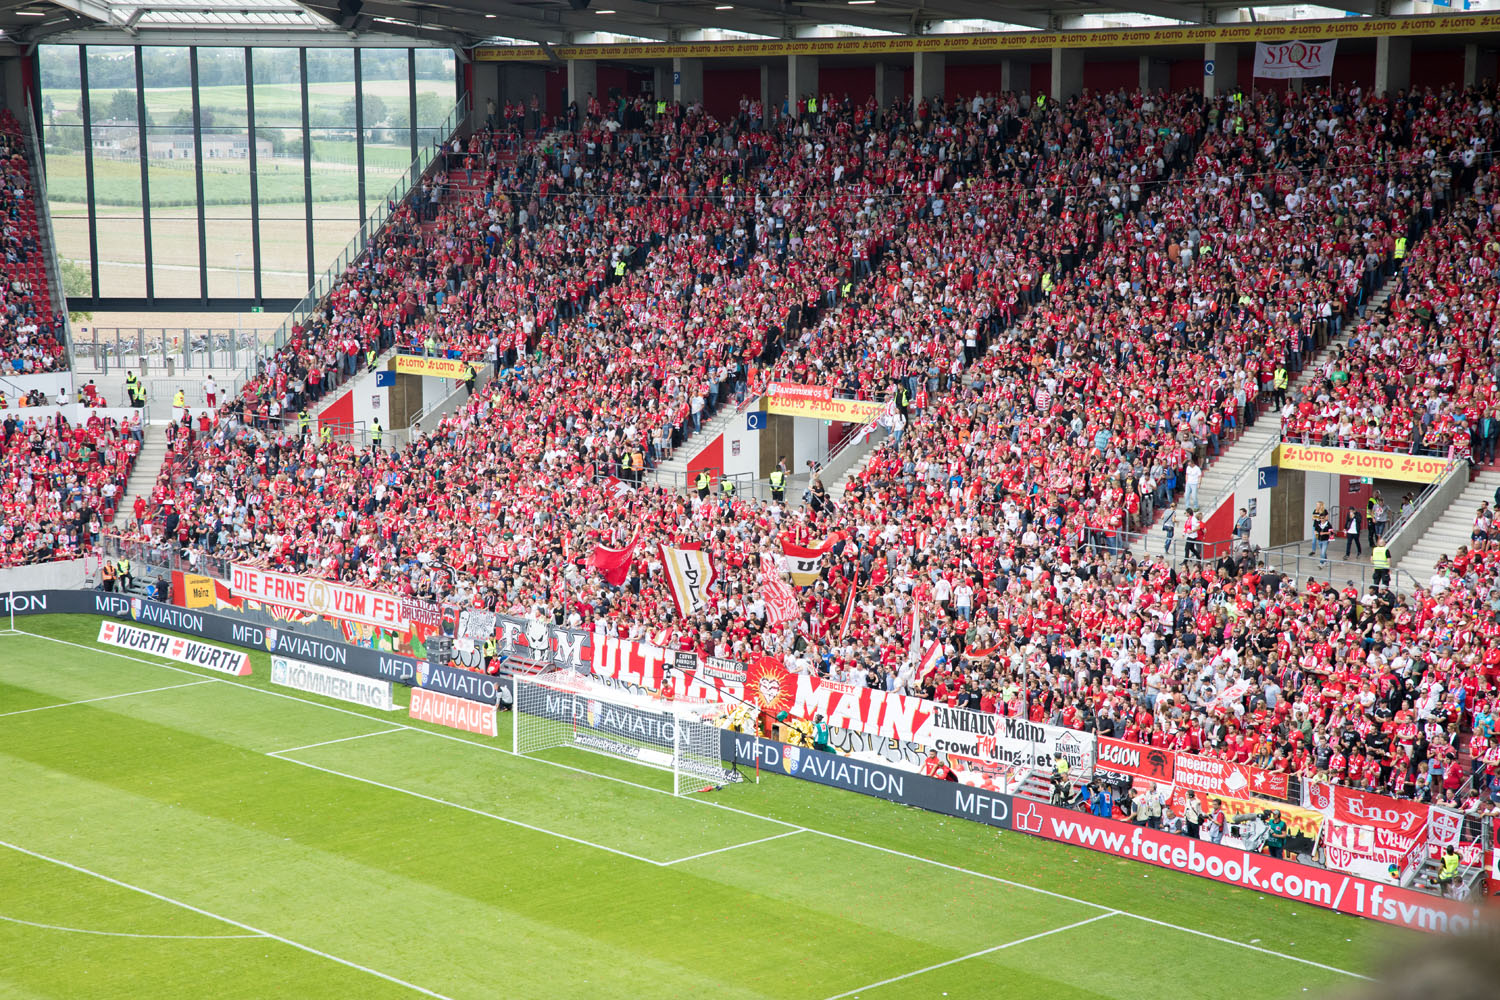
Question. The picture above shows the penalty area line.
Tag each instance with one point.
(701, 801)
(256, 931)
(972, 954)
(107, 697)
(733, 847)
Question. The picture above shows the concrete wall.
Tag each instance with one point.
(1448, 490)
(741, 449)
(70, 574)
(1246, 491)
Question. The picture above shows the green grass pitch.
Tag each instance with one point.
(169, 833)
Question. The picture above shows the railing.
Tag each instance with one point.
(169, 349)
(1306, 565)
(1405, 516)
(164, 556)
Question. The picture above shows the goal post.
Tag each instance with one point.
(580, 714)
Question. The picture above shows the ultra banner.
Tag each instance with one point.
(1004, 739)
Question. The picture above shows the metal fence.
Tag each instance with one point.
(148, 556)
(164, 350)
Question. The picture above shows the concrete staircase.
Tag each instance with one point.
(143, 476)
(673, 473)
(1450, 530)
(1256, 444)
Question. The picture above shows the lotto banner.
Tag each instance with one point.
(1353, 462)
(1222, 777)
(411, 364)
(319, 597)
(1136, 760)
(852, 411)
(1286, 879)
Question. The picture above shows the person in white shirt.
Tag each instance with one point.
(963, 600)
(1190, 480)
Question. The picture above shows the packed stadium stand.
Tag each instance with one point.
(1081, 300)
(1069, 309)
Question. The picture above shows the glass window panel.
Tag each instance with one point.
(226, 170)
(336, 209)
(172, 171)
(117, 172)
(437, 91)
(387, 89)
(283, 209)
(62, 136)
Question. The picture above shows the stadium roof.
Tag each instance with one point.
(468, 22)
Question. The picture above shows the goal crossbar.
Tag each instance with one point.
(551, 711)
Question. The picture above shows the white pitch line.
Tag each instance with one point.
(733, 847)
(470, 809)
(223, 919)
(108, 697)
(327, 743)
(698, 800)
(123, 934)
(972, 954)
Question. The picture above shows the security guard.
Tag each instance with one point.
(1400, 249)
(704, 479)
(107, 577)
(376, 433)
(778, 486)
(1450, 869)
(179, 399)
(661, 108)
(489, 653)
(130, 384)
(303, 423)
(470, 377)
(619, 270)
(903, 398)
(1380, 558)
(370, 357)
(122, 573)
(1282, 381)
(325, 434)
(726, 487)
(1047, 283)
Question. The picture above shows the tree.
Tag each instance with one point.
(77, 284)
(49, 108)
(122, 106)
(375, 111)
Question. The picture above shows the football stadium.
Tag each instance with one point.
(843, 499)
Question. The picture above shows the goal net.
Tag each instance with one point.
(563, 710)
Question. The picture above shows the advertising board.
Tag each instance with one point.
(175, 647)
(328, 683)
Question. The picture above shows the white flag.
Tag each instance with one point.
(1294, 60)
(689, 574)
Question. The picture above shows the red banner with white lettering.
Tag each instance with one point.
(1344, 893)
(1222, 777)
(1120, 757)
(1395, 815)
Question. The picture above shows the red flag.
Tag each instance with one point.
(930, 660)
(781, 599)
(613, 564)
(848, 610)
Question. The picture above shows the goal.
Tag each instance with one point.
(557, 711)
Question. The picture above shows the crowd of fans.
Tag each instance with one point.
(1420, 376)
(62, 483)
(1077, 305)
(32, 335)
